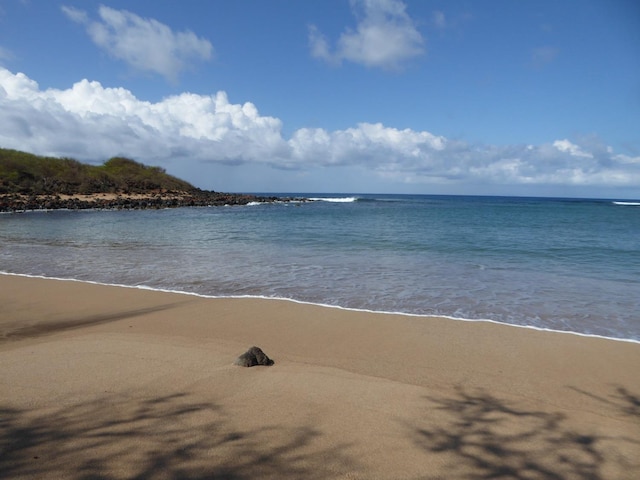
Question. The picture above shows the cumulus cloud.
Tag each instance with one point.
(90, 122)
(144, 44)
(385, 36)
(112, 121)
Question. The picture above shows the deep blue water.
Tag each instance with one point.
(562, 264)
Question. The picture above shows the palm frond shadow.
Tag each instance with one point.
(622, 400)
(485, 437)
(168, 437)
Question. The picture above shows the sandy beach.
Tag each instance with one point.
(112, 382)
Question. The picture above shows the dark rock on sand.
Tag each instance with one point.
(253, 356)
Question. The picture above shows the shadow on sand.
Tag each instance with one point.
(171, 437)
(622, 401)
(7, 333)
(484, 437)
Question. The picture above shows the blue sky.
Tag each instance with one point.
(365, 96)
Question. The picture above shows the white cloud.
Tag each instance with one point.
(571, 148)
(91, 122)
(385, 36)
(187, 132)
(320, 46)
(144, 44)
(375, 146)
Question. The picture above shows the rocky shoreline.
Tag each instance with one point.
(123, 201)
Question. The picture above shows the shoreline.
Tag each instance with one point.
(23, 203)
(324, 305)
(124, 382)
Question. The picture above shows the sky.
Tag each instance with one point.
(494, 97)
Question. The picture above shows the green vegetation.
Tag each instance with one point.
(28, 174)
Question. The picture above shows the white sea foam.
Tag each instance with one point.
(338, 307)
(335, 199)
(633, 204)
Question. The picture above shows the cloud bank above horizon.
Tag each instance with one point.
(92, 123)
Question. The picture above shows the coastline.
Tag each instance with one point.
(10, 203)
(118, 382)
(325, 305)
(581, 281)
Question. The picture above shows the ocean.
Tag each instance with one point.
(559, 264)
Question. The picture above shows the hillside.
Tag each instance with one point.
(28, 174)
(32, 182)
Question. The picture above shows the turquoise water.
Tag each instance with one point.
(560, 264)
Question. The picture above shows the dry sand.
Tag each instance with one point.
(111, 382)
